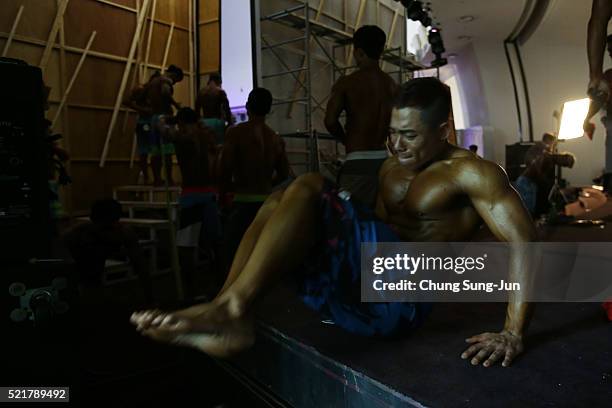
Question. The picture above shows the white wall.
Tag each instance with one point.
(556, 72)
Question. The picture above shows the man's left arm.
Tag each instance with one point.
(501, 208)
(334, 109)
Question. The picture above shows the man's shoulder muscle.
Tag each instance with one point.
(478, 176)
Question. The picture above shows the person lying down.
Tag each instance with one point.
(430, 190)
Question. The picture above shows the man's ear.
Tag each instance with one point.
(444, 130)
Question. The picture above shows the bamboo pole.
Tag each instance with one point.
(391, 33)
(167, 50)
(135, 76)
(148, 49)
(67, 190)
(124, 80)
(75, 74)
(52, 35)
(191, 58)
(356, 27)
(7, 45)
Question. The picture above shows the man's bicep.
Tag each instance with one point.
(500, 206)
(335, 105)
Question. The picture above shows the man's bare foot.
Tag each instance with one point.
(216, 328)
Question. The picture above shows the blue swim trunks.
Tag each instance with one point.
(331, 282)
(144, 139)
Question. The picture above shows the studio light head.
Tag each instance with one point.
(435, 39)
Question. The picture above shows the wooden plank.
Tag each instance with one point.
(67, 190)
(148, 49)
(75, 50)
(356, 26)
(391, 33)
(9, 40)
(73, 78)
(52, 35)
(167, 49)
(135, 77)
(191, 56)
(134, 10)
(123, 84)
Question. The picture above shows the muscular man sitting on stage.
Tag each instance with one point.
(430, 190)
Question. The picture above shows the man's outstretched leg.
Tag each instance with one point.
(225, 325)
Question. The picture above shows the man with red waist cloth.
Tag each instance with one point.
(200, 225)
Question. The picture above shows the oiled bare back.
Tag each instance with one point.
(255, 151)
(369, 95)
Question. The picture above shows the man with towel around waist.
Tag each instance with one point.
(252, 162)
(367, 97)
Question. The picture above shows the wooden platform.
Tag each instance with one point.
(301, 360)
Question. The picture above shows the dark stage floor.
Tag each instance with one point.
(567, 362)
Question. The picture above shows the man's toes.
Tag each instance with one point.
(147, 318)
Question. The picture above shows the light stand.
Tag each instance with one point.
(569, 127)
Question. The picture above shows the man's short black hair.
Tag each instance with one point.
(474, 148)
(260, 101)
(186, 116)
(430, 96)
(548, 137)
(215, 77)
(371, 39)
(173, 69)
(105, 212)
(609, 38)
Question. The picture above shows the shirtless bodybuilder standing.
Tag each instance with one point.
(367, 98)
(160, 96)
(252, 162)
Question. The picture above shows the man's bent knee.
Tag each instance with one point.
(313, 181)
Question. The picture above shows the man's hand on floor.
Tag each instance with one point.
(490, 347)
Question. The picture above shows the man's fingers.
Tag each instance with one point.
(494, 357)
(478, 337)
(471, 350)
(508, 359)
(481, 356)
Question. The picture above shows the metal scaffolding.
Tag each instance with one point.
(313, 32)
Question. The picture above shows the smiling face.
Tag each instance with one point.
(412, 141)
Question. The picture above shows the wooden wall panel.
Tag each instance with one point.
(98, 81)
(173, 11)
(88, 131)
(90, 104)
(209, 48)
(115, 27)
(179, 50)
(36, 19)
(209, 10)
(99, 182)
(210, 40)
